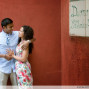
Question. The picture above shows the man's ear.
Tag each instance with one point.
(4, 27)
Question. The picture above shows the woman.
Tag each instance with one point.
(22, 66)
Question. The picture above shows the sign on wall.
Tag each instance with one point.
(79, 18)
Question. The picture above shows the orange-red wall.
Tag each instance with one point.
(75, 53)
(44, 17)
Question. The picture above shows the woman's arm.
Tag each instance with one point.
(24, 55)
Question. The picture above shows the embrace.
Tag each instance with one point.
(15, 47)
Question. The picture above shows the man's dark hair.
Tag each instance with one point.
(6, 21)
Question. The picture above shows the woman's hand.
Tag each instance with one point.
(10, 52)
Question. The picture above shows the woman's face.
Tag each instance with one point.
(21, 32)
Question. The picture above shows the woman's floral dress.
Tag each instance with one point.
(23, 69)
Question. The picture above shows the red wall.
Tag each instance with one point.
(44, 17)
(75, 53)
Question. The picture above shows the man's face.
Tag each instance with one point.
(9, 28)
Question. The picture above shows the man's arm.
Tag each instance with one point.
(2, 55)
(5, 56)
(8, 57)
(26, 43)
(32, 40)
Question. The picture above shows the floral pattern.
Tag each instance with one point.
(23, 70)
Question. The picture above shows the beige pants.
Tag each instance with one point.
(4, 78)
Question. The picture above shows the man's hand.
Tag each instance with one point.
(7, 57)
(9, 54)
(32, 40)
(26, 43)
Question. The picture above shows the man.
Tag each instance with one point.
(8, 39)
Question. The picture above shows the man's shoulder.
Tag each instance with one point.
(15, 32)
(0, 32)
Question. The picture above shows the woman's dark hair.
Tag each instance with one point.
(28, 34)
(6, 21)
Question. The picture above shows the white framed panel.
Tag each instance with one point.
(77, 18)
